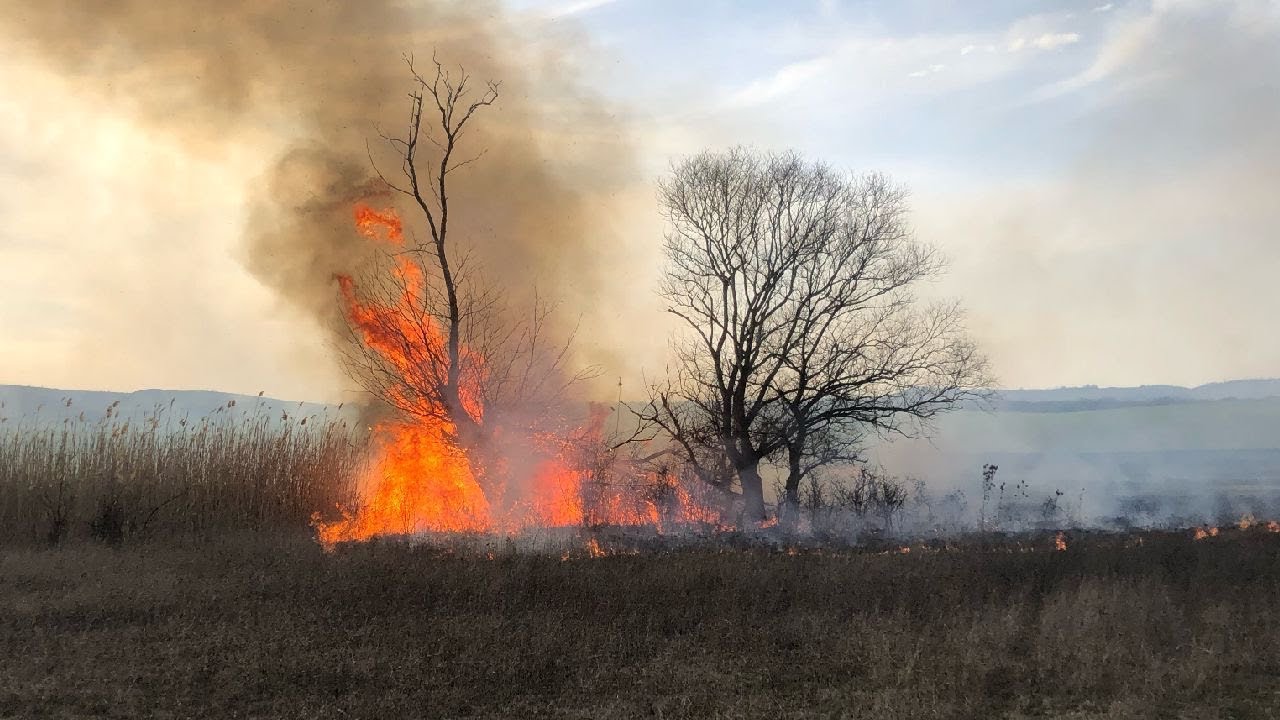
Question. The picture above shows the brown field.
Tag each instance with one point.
(270, 626)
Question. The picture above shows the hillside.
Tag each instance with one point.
(1230, 390)
(27, 404)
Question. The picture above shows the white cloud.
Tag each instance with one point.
(577, 7)
(1125, 45)
(1104, 8)
(872, 63)
(780, 83)
(1052, 41)
(1047, 41)
(931, 70)
(986, 48)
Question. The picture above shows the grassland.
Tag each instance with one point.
(270, 626)
(161, 568)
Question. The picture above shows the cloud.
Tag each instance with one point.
(1148, 257)
(925, 72)
(1047, 41)
(1052, 41)
(780, 83)
(578, 7)
(869, 65)
(1127, 41)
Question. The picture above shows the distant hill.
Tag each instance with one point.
(37, 404)
(1194, 457)
(24, 401)
(1198, 449)
(1148, 394)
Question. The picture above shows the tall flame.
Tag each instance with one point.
(422, 480)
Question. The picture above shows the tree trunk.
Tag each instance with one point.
(752, 493)
(791, 495)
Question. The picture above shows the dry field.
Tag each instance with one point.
(258, 625)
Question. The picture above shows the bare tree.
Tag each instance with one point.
(430, 338)
(794, 282)
(454, 106)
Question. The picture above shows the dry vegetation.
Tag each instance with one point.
(204, 595)
(161, 474)
(273, 627)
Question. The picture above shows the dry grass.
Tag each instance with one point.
(272, 627)
(116, 477)
(211, 600)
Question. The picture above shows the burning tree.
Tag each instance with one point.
(472, 379)
(794, 283)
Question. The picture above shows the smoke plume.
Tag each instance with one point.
(318, 81)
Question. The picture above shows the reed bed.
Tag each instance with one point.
(158, 472)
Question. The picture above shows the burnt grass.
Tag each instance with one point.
(260, 626)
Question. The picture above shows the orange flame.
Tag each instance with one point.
(1060, 542)
(1205, 532)
(422, 480)
(369, 222)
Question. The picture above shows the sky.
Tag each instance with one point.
(1102, 176)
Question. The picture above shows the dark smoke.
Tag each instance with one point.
(316, 81)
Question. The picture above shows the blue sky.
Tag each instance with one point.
(1099, 172)
(920, 84)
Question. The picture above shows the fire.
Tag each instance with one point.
(1060, 542)
(379, 224)
(1205, 532)
(1246, 521)
(421, 478)
(421, 482)
(557, 496)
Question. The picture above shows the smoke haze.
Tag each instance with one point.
(1151, 251)
(308, 84)
(1103, 179)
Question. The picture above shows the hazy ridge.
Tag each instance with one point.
(25, 403)
(1180, 452)
(22, 401)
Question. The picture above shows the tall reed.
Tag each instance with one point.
(162, 472)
